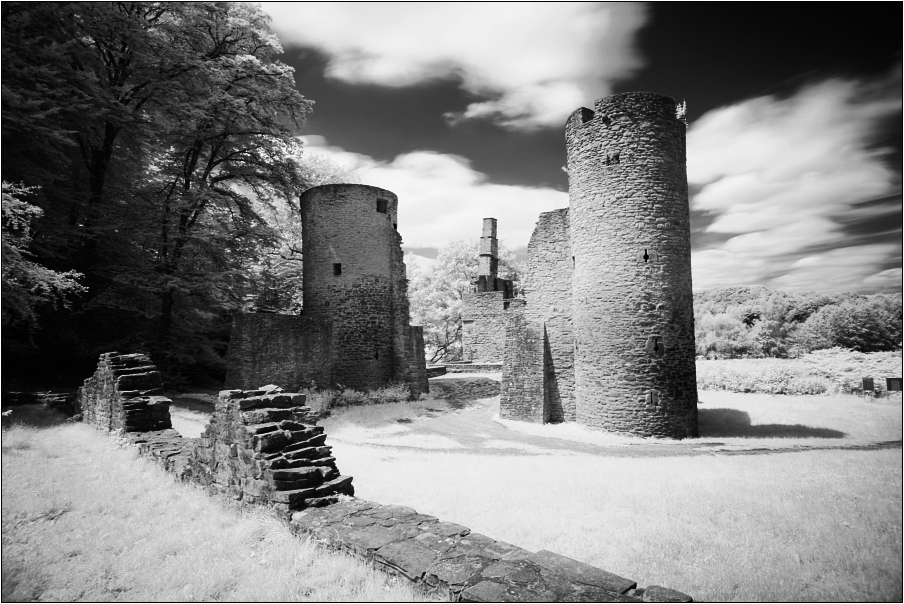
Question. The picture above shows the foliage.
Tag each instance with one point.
(26, 283)
(171, 129)
(756, 322)
(437, 290)
(322, 401)
(833, 370)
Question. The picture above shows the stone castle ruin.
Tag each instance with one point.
(606, 335)
(354, 330)
(485, 307)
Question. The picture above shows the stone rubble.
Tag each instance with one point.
(125, 395)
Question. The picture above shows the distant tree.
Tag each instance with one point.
(436, 292)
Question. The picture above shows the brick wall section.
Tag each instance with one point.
(630, 233)
(523, 389)
(291, 351)
(124, 395)
(483, 326)
(263, 448)
(548, 295)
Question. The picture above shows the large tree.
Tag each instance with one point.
(171, 130)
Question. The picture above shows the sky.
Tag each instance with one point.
(794, 142)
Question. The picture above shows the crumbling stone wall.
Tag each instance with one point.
(548, 296)
(263, 447)
(608, 287)
(125, 395)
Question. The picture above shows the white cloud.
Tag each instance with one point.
(783, 175)
(443, 199)
(534, 63)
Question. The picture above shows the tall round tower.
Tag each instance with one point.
(630, 234)
(351, 276)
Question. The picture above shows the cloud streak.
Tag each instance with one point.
(531, 63)
(786, 178)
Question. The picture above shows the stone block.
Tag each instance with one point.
(581, 572)
(657, 593)
(409, 557)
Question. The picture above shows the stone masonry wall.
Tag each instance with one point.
(409, 362)
(291, 351)
(630, 237)
(262, 447)
(125, 395)
(548, 295)
(483, 326)
(523, 395)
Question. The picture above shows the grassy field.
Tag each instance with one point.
(84, 520)
(815, 526)
(802, 526)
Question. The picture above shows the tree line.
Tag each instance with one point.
(730, 322)
(151, 170)
(754, 322)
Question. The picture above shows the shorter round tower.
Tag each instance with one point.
(350, 248)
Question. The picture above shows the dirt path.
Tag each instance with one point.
(462, 423)
(475, 428)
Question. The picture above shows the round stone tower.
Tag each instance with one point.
(351, 261)
(630, 231)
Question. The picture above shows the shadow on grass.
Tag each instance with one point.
(731, 422)
(36, 416)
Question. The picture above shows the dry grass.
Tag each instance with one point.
(85, 520)
(816, 526)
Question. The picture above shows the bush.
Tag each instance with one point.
(321, 401)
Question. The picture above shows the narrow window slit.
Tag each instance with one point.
(337, 268)
(382, 206)
(646, 256)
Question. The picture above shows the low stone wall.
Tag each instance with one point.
(473, 367)
(261, 448)
(443, 559)
(125, 395)
(464, 387)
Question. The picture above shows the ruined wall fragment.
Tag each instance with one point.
(262, 447)
(125, 395)
(548, 295)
